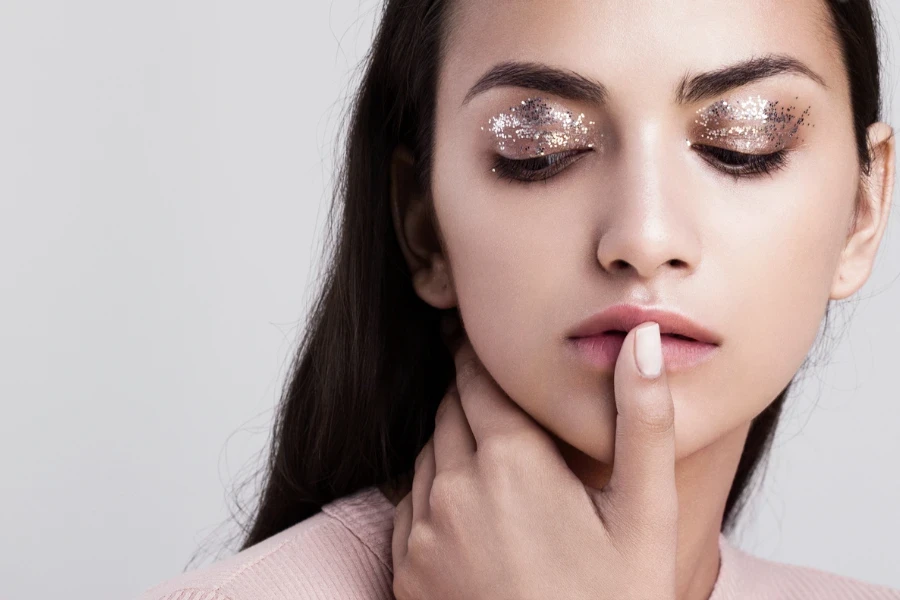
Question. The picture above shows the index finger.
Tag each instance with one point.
(642, 484)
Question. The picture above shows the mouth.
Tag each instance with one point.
(621, 318)
(680, 352)
(686, 343)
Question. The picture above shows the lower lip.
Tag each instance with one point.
(678, 354)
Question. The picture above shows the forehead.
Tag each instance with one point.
(636, 47)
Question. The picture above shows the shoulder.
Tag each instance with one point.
(745, 576)
(344, 551)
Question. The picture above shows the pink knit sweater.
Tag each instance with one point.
(344, 553)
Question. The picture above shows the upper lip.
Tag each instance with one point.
(624, 317)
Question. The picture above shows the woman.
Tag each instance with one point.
(567, 181)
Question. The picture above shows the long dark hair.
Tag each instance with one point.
(372, 366)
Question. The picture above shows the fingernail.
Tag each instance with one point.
(648, 351)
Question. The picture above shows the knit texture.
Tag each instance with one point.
(344, 553)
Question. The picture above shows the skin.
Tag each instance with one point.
(645, 221)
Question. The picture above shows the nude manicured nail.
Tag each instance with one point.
(648, 351)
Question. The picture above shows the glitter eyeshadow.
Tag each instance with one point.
(753, 126)
(534, 127)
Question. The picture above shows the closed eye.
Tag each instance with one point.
(740, 164)
(537, 168)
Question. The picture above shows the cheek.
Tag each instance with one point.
(513, 257)
(781, 273)
(503, 273)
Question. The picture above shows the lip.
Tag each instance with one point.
(599, 339)
(625, 317)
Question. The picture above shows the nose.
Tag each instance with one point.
(651, 222)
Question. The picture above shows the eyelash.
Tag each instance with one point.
(741, 164)
(735, 164)
(537, 168)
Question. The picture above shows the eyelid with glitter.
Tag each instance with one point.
(536, 127)
(753, 125)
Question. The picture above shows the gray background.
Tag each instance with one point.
(164, 174)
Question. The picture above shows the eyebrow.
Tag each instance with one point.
(691, 88)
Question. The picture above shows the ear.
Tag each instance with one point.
(870, 215)
(417, 234)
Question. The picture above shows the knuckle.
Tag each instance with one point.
(507, 451)
(440, 495)
(493, 452)
(420, 541)
(445, 494)
(656, 420)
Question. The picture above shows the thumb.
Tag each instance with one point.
(641, 490)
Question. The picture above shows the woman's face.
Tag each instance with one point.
(636, 210)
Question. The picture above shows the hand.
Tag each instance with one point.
(494, 511)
